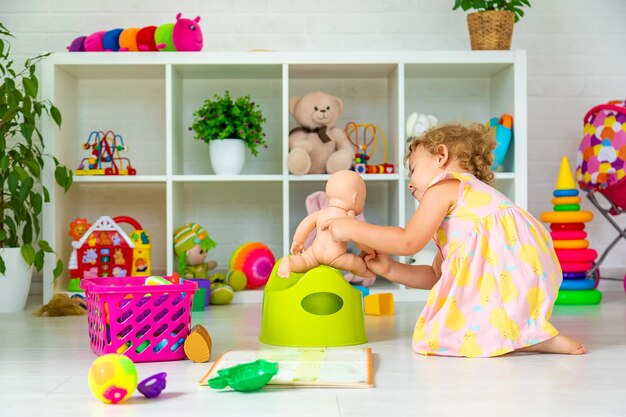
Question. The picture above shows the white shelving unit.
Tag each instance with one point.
(149, 99)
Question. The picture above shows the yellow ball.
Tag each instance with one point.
(112, 378)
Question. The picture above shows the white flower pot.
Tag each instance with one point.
(15, 283)
(228, 156)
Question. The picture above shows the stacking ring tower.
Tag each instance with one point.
(567, 225)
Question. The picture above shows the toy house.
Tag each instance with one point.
(105, 250)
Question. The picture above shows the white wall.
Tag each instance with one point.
(576, 53)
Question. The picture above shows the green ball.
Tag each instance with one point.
(221, 294)
(236, 279)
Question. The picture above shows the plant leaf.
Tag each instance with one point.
(39, 257)
(28, 253)
(56, 115)
(58, 269)
(45, 246)
(3, 267)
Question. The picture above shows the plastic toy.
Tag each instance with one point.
(570, 243)
(379, 304)
(105, 156)
(580, 297)
(361, 160)
(236, 279)
(198, 344)
(184, 35)
(346, 198)
(255, 260)
(504, 134)
(318, 308)
(317, 201)
(198, 300)
(105, 250)
(112, 378)
(145, 323)
(317, 145)
(245, 377)
(153, 386)
(417, 124)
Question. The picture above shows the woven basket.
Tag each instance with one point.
(491, 30)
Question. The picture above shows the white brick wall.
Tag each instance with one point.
(576, 54)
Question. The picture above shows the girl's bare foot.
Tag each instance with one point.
(558, 344)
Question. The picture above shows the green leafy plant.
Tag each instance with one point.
(22, 193)
(223, 118)
(514, 6)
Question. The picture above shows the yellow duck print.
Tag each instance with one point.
(433, 338)
(420, 333)
(535, 298)
(486, 285)
(455, 320)
(530, 255)
(501, 321)
(460, 267)
(510, 230)
(442, 237)
(490, 256)
(500, 351)
(477, 199)
(469, 346)
(540, 238)
(507, 288)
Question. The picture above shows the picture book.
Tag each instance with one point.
(306, 367)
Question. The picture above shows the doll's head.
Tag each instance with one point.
(191, 245)
(470, 146)
(346, 189)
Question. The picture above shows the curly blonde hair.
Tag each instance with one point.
(472, 144)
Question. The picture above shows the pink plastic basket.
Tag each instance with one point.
(145, 323)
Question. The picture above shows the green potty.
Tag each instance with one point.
(317, 308)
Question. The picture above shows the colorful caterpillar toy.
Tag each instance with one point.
(184, 35)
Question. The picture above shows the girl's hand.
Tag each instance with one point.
(339, 228)
(297, 248)
(379, 263)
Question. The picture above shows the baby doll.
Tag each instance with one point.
(346, 197)
(191, 245)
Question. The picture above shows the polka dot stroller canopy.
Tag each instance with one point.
(601, 157)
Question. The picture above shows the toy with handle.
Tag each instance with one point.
(183, 35)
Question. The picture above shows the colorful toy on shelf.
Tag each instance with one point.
(417, 124)
(256, 261)
(105, 156)
(365, 146)
(571, 246)
(112, 378)
(184, 35)
(245, 377)
(504, 134)
(105, 250)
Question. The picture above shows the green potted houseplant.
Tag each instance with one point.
(22, 193)
(491, 26)
(229, 126)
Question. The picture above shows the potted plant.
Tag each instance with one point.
(22, 193)
(491, 26)
(229, 126)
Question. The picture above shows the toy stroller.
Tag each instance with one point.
(601, 165)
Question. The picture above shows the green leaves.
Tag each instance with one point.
(514, 6)
(223, 118)
(22, 158)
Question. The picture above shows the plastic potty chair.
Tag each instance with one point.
(317, 308)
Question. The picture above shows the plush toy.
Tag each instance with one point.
(418, 123)
(184, 35)
(191, 245)
(317, 145)
(319, 201)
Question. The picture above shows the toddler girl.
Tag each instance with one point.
(495, 278)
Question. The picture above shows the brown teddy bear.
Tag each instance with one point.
(317, 146)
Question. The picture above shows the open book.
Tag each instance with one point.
(307, 367)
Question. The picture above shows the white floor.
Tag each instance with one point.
(44, 363)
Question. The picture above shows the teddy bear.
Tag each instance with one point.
(317, 145)
(417, 124)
